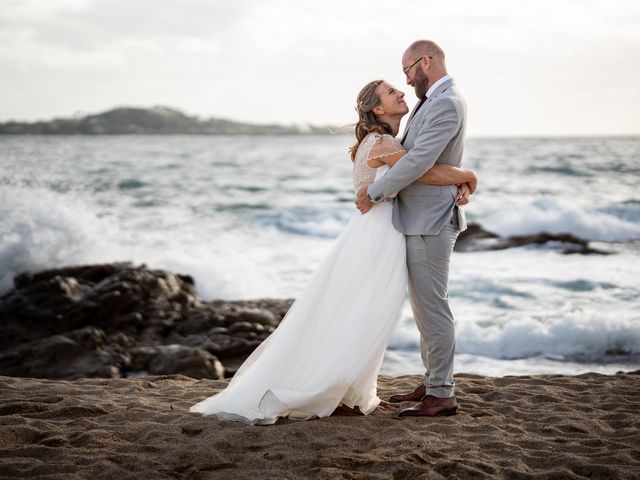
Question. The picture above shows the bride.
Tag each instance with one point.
(327, 351)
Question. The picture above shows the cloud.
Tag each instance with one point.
(305, 61)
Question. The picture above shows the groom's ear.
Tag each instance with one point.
(426, 61)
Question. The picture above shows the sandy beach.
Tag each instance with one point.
(548, 426)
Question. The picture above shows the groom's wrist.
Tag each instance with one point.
(374, 199)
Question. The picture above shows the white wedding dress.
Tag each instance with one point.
(329, 347)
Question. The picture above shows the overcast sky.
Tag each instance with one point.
(544, 67)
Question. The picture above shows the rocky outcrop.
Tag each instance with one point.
(117, 320)
(159, 120)
(477, 239)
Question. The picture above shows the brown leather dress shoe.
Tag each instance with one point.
(415, 396)
(432, 407)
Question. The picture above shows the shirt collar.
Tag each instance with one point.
(437, 84)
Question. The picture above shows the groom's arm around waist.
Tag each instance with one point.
(442, 123)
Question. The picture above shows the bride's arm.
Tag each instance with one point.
(439, 174)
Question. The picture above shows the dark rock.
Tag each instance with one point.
(253, 315)
(477, 239)
(76, 354)
(192, 362)
(240, 347)
(240, 328)
(116, 319)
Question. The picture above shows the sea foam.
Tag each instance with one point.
(43, 229)
(551, 215)
(573, 336)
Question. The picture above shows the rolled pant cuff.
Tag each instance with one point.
(441, 392)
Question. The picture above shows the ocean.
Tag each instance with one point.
(252, 216)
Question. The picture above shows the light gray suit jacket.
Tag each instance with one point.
(435, 134)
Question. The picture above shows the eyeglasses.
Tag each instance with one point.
(407, 69)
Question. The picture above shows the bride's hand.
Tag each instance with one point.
(464, 191)
(362, 201)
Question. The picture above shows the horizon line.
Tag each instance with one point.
(337, 126)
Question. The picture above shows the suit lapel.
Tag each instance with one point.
(441, 88)
(411, 118)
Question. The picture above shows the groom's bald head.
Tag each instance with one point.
(425, 48)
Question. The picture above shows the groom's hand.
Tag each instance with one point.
(362, 200)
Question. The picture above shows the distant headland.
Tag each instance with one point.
(157, 120)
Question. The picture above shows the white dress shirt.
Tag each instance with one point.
(437, 84)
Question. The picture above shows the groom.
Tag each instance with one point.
(429, 217)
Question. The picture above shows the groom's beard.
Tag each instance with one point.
(422, 84)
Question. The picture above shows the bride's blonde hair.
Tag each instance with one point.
(368, 99)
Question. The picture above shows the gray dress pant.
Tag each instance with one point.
(428, 258)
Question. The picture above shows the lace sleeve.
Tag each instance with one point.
(384, 146)
(372, 146)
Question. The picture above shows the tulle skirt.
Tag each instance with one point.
(329, 347)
